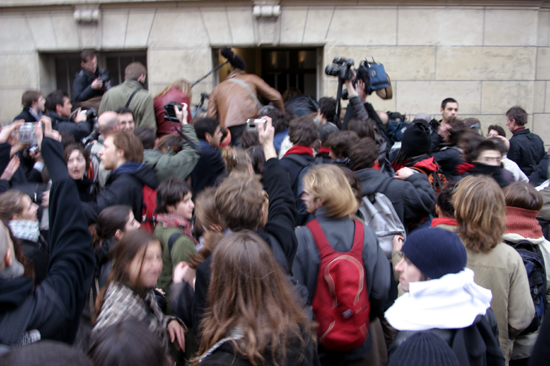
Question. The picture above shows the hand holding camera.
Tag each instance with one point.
(97, 84)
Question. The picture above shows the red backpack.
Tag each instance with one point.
(341, 304)
(148, 218)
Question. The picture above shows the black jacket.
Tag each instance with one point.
(448, 158)
(209, 167)
(122, 188)
(302, 105)
(55, 306)
(78, 130)
(278, 233)
(527, 150)
(541, 172)
(82, 85)
(26, 115)
(37, 253)
(476, 345)
(413, 199)
(293, 169)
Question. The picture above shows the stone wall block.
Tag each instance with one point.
(178, 28)
(15, 35)
(166, 66)
(516, 27)
(114, 24)
(138, 28)
(499, 96)
(363, 26)
(11, 103)
(440, 26)
(401, 63)
(486, 63)
(541, 126)
(217, 25)
(43, 31)
(318, 21)
(18, 70)
(539, 97)
(293, 21)
(90, 35)
(268, 31)
(242, 24)
(426, 96)
(543, 28)
(543, 63)
(66, 31)
(547, 98)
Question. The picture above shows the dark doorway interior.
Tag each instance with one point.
(282, 68)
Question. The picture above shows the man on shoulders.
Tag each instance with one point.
(526, 148)
(33, 106)
(90, 81)
(131, 94)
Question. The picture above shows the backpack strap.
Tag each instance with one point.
(172, 240)
(131, 97)
(245, 85)
(324, 246)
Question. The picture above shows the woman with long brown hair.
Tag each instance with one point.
(253, 317)
(129, 291)
(480, 212)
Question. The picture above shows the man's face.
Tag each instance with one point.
(215, 139)
(110, 155)
(449, 112)
(511, 124)
(408, 273)
(492, 133)
(90, 64)
(126, 122)
(489, 157)
(65, 109)
(39, 105)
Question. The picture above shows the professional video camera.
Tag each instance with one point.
(341, 67)
(91, 117)
(373, 75)
(104, 77)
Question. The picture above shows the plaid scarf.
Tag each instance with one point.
(169, 220)
(25, 229)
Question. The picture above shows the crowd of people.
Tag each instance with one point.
(145, 235)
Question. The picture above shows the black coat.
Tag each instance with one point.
(541, 172)
(55, 306)
(37, 253)
(209, 167)
(26, 115)
(448, 158)
(82, 85)
(527, 150)
(122, 189)
(278, 233)
(78, 130)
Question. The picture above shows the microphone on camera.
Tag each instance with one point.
(235, 60)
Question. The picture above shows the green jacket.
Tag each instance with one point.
(141, 104)
(170, 164)
(182, 250)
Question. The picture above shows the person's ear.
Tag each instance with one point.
(119, 234)
(208, 137)
(437, 209)
(170, 208)
(7, 258)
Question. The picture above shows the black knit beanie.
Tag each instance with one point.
(435, 252)
(424, 349)
(416, 138)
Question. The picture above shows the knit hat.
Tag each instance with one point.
(416, 138)
(435, 252)
(424, 349)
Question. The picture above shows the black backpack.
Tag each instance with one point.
(536, 272)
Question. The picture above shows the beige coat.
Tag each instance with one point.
(502, 271)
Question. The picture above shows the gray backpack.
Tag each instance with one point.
(379, 214)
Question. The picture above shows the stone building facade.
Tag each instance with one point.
(489, 55)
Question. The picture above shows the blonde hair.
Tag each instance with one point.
(237, 160)
(480, 212)
(329, 184)
(180, 84)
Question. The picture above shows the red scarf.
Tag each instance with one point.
(443, 221)
(169, 220)
(464, 167)
(376, 165)
(298, 149)
(523, 222)
(324, 150)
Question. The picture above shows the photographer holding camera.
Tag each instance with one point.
(59, 108)
(92, 81)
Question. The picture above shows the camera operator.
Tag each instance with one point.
(59, 108)
(361, 109)
(92, 81)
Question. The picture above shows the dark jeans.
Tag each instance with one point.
(236, 132)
